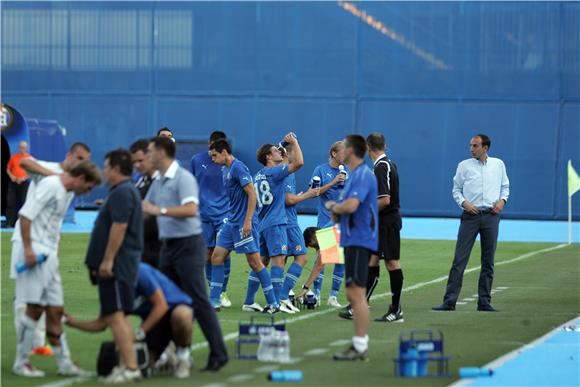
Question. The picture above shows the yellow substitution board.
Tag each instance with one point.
(328, 241)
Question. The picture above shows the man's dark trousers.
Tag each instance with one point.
(183, 261)
(486, 224)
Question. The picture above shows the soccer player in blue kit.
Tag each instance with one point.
(272, 210)
(240, 233)
(296, 244)
(331, 185)
(357, 210)
(213, 207)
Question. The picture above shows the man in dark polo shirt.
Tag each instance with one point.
(174, 199)
(113, 256)
(141, 164)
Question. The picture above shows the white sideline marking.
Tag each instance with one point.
(270, 368)
(240, 378)
(340, 343)
(215, 385)
(516, 352)
(234, 335)
(67, 382)
(461, 303)
(316, 352)
(469, 299)
(294, 360)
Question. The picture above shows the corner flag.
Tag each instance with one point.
(573, 179)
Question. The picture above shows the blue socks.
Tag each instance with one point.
(266, 283)
(253, 286)
(216, 285)
(277, 274)
(208, 268)
(227, 267)
(318, 283)
(292, 276)
(337, 277)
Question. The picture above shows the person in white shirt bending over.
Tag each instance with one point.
(38, 170)
(37, 234)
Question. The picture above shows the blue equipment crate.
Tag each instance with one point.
(417, 349)
(249, 334)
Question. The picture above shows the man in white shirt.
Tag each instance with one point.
(39, 286)
(37, 170)
(481, 188)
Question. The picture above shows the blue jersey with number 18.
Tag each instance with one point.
(269, 183)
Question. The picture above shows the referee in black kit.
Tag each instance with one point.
(174, 199)
(390, 224)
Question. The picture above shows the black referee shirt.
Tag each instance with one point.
(388, 182)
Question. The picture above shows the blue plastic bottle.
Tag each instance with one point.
(410, 360)
(21, 267)
(286, 376)
(474, 372)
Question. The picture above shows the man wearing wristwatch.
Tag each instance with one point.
(481, 188)
(174, 199)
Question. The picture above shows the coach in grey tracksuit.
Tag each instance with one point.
(481, 189)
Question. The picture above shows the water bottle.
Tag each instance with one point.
(40, 258)
(286, 376)
(284, 143)
(342, 171)
(474, 372)
(283, 347)
(265, 347)
(410, 359)
(315, 182)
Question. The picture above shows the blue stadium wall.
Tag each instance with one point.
(427, 75)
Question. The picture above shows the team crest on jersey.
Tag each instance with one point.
(284, 248)
(297, 248)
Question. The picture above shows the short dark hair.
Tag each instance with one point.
(88, 170)
(120, 158)
(164, 129)
(263, 152)
(357, 143)
(166, 144)
(485, 140)
(309, 234)
(76, 145)
(140, 145)
(217, 135)
(220, 146)
(376, 141)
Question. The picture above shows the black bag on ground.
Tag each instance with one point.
(109, 358)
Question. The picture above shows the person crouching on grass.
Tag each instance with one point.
(166, 315)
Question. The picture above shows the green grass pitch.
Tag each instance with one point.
(542, 292)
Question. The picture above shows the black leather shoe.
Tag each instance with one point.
(444, 308)
(214, 365)
(486, 308)
(346, 313)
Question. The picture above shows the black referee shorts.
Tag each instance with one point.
(390, 237)
(356, 262)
